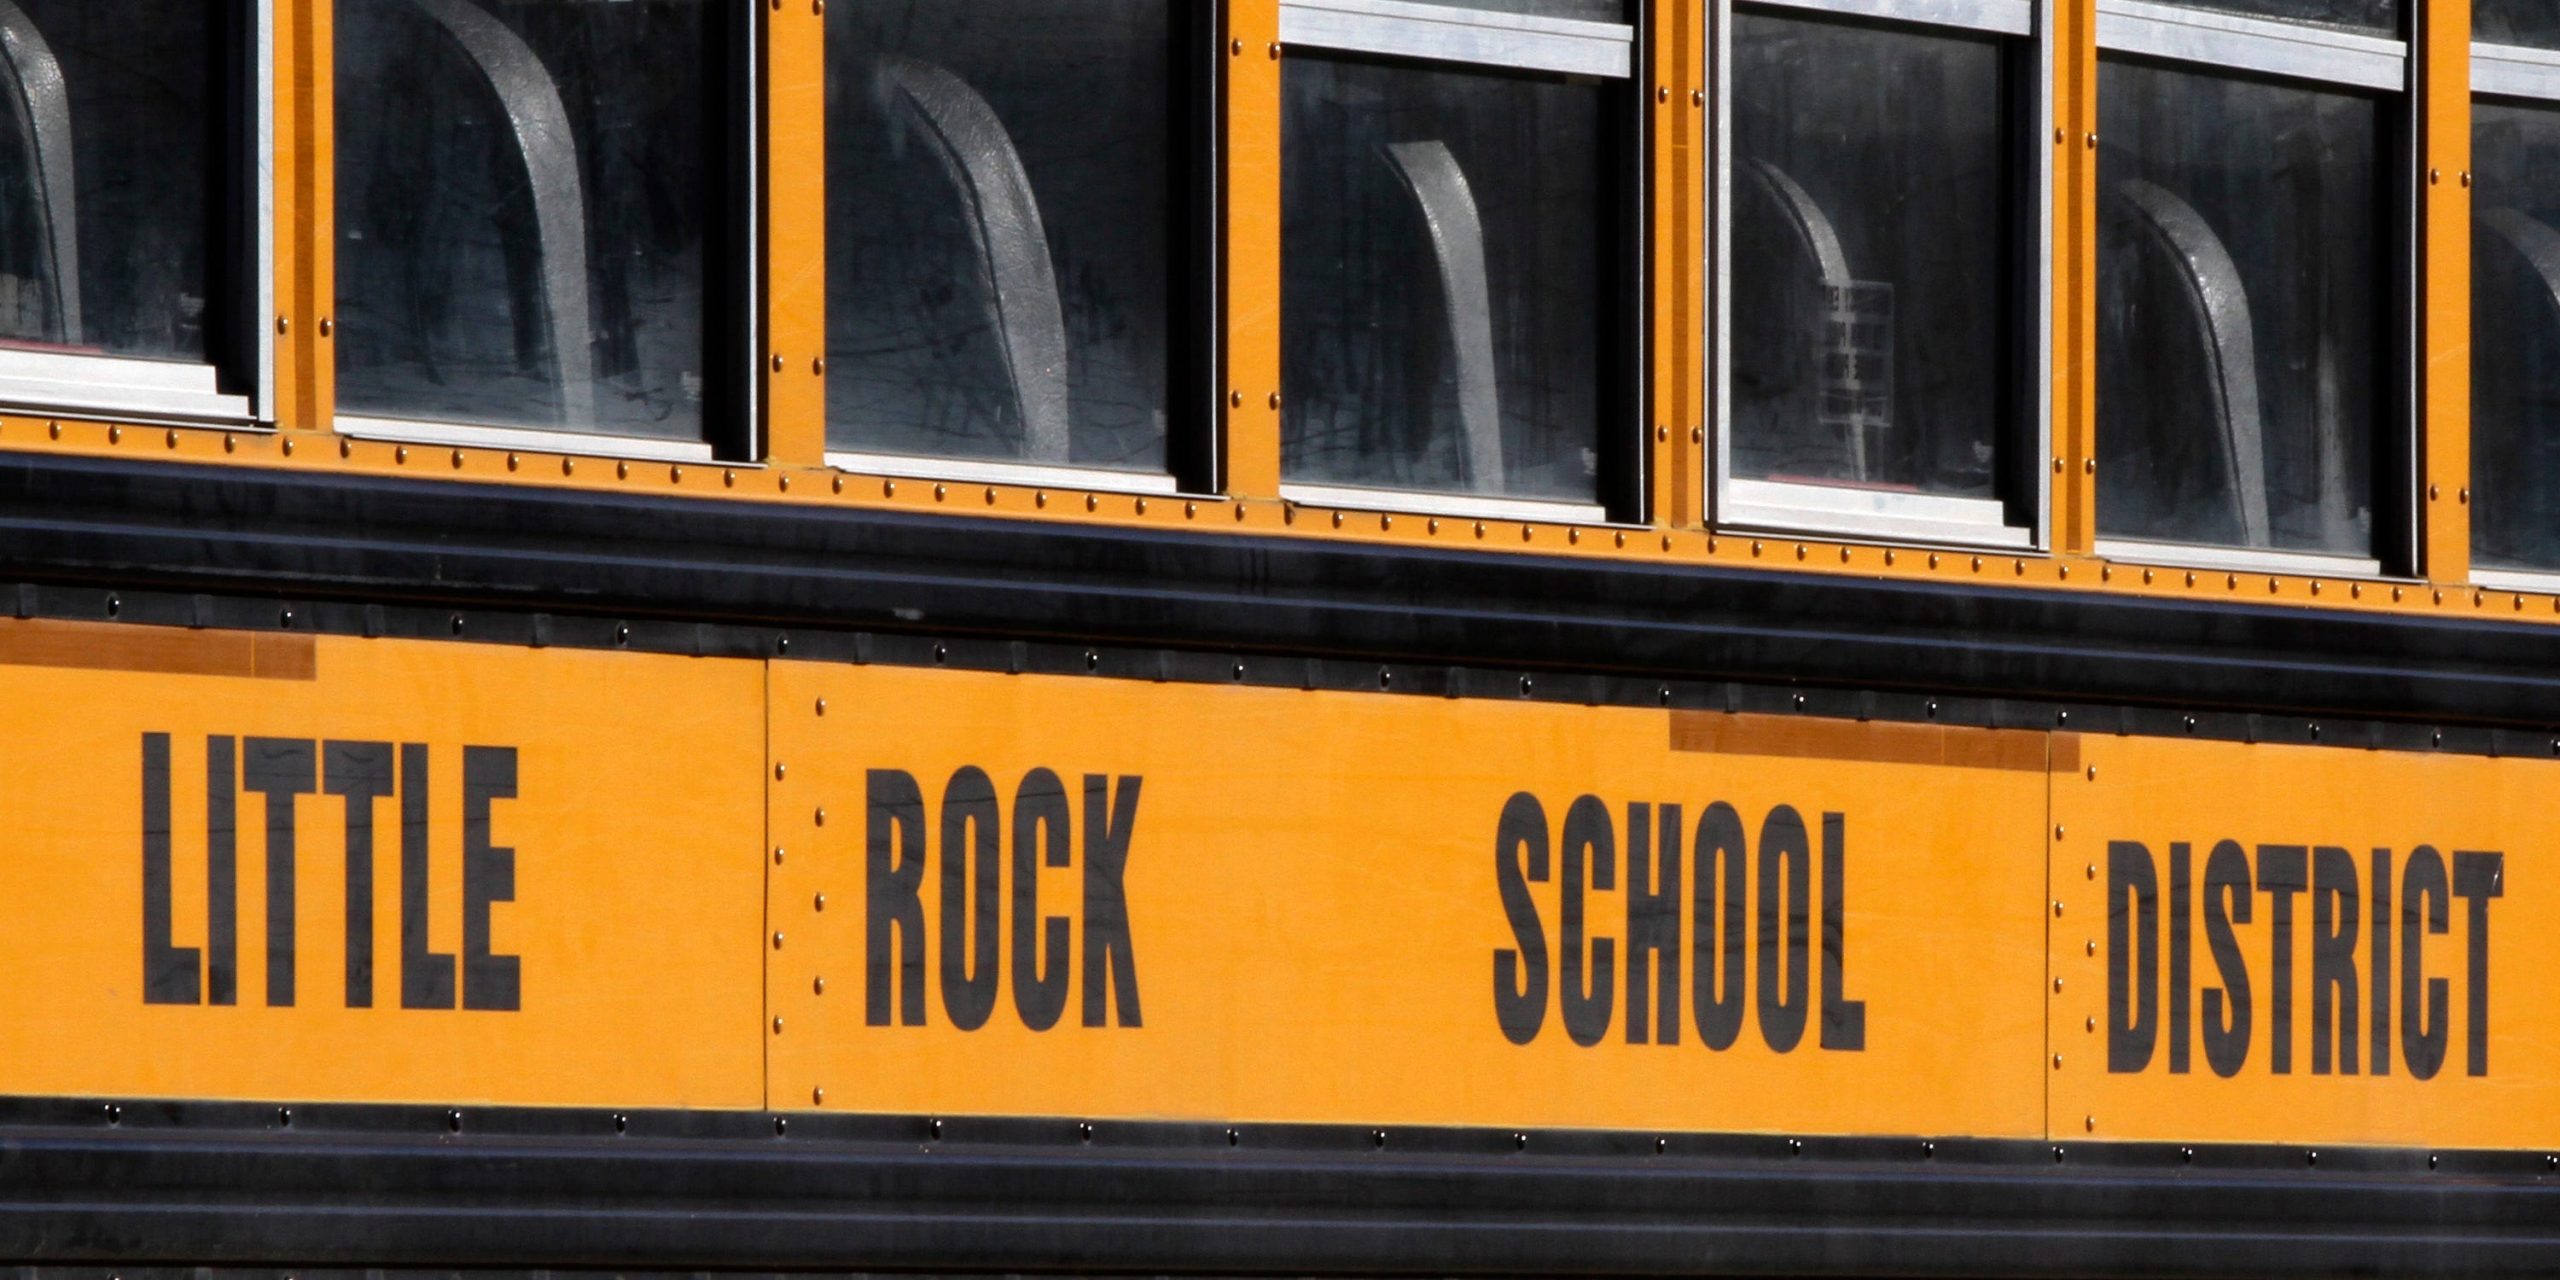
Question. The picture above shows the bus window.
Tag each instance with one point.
(1879, 195)
(126, 271)
(1457, 227)
(2515, 291)
(2251, 342)
(528, 203)
(1005, 198)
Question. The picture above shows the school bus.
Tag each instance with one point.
(1281, 636)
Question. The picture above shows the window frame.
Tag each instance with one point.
(2518, 73)
(137, 389)
(734, 427)
(1835, 510)
(2199, 41)
(1453, 37)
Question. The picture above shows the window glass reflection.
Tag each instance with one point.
(1450, 288)
(2241, 372)
(108, 194)
(1872, 311)
(1001, 221)
(2382, 16)
(527, 193)
(2533, 23)
(2515, 337)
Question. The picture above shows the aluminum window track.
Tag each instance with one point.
(1994, 17)
(2514, 71)
(2236, 43)
(1444, 33)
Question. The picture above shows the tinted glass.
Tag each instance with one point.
(1872, 206)
(108, 196)
(1449, 278)
(1000, 220)
(2526, 22)
(2515, 338)
(527, 198)
(2381, 16)
(2241, 369)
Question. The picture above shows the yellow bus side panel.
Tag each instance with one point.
(1316, 927)
(618, 871)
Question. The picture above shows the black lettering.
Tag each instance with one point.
(1108, 821)
(2423, 1020)
(2133, 956)
(280, 769)
(2477, 877)
(2181, 956)
(426, 977)
(894, 857)
(221, 871)
(489, 981)
(171, 974)
(2227, 901)
(969, 835)
(1042, 828)
(1786, 867)
(2381, 966)
(360, 773)
(1520, 975)
(1718, 903)
(2283, 871)
(2337, 906)
(1589, 990)
(1653, 923)
(1844, 1021)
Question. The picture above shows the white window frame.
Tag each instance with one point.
(2206, 42)
(2521, 72)
(1834, 510)
(1485, 38)
(130, 388)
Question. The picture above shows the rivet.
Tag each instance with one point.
(2093, 773)
(2058, 136)
(515, 461)
(729, 478)
(1621, 536)
(2089, 466)
(820, 817)
(2057, 466)
(2057, 1059)
(818, 902)
(1977, 564)
(818, 366)
(817, 1097)
(1662, 93)
(991, 495)
(2466, 178)
(2191, 577)
(1191, 511)
(2434, 492)
(2057, 831)
(675, 475)
(1933, 559)
(777, 937)
(230, 443)
(777, 855)
(1093, 502)
(777, 1026)
(2435, 176)
(1235, 49)
(1888, 557)
(284, 324)
(777, 362)
(2090, 1123)
(327, 326)
(1275, 51)
(622, 471)
(1527, 532)
(1235, 399)
(173, 439)
(888, 488)
(1573, 536)
(2464, 495)
(1386, 523)
(568, 466)
(1479, 528)
(115, 435)
(2057, 911)
(2093, 142)
(54, 429)
(2090, 947)
(1755, 546)
(1661, 432)
(941, 491)
(1697, 435)
(2093, 871)
(1844, 555)
(1337, 519)
(1800, 551)
(839, 482)
(453, 1121)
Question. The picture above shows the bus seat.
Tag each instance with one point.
(531, 99)
(977, 155)
(2219, 306)
(1448, 207)
(40, 107)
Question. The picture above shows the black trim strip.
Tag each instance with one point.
(359, 540)
(386, 1186)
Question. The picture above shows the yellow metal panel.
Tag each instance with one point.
(2451, 853)
(2075, 277)
(795, 194)
(1249, 162)
(305, 213)
(2444, 378)
(1677, 260)
(632, 912)
(1314, 894)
